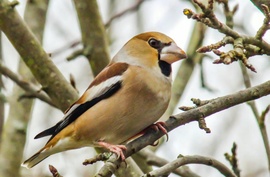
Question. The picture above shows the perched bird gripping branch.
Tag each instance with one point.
(128, 95)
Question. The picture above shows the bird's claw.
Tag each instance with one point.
(117, 149)
(160, 126)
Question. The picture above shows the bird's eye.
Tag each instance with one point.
(154, 43)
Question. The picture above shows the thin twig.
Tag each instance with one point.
(202, 76)
(73, 82)
(75, 54)
(153, 159)
(66, 47)
(233, 160)
(99, 157)
(265, 25)
(133, 8)
(30, 88)
(75, 43)
(228, 13)
(255, 111)
(54, 171)
(262, 117)
(226, 40)
(184, 160)
(244, 46)
(201, 120)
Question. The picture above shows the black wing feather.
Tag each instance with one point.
(48, 131)
(79, 111)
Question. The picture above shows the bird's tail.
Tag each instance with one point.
(36, 158)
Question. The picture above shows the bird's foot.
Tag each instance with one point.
(117, 149)
(156, 126)
(160, 126)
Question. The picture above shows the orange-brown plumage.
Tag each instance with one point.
(130, 94)
(113, 69)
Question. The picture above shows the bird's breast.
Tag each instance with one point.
(136, 105)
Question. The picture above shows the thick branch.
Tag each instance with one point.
(93, 34)
(175, 121)
(20, 112)
(35, 57)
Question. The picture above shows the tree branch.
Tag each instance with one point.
(134, 7)
(29, 87)
(184, 160)
(20, 112)
(244, 46)
(213, 106)
(94, 38)
(152, 159)
(233, 160)
(35, 57)
(257, 116)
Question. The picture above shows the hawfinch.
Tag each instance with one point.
(128, 96)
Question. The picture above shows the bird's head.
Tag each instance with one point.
(150, 49)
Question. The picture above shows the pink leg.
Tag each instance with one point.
(160, 126)
(157, 126)
(117, 149)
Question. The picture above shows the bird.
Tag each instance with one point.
(130, 94)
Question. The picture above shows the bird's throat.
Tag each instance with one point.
(165, 68)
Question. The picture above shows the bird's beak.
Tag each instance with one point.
(172, 53)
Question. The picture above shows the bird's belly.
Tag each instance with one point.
(123, 116)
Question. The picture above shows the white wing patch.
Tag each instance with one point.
(97, 90)
(71, 110)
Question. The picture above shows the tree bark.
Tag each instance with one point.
(32, 53)
(14, 134)
(94, 37)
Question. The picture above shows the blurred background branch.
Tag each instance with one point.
(20, 112)
(153, 159)
(2, 96)
(184, 160)
(94, 38)
(257, 115)
(36, 59)
(29, 88)
(133, 8)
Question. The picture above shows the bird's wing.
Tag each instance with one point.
(108, 82)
